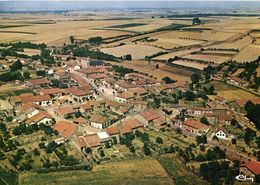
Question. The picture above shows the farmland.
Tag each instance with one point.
(141, 171)
(137, 51)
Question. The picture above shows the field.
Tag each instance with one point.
(230, 92)
(127, 25)
(244, 56)
(208, 58)
(176, 53)
(137, 51)
(30, 52)
(163, 70)
(8, 178)
(178, 171)
(139, 171)
(190, 64)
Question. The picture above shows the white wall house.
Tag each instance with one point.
(221, 134)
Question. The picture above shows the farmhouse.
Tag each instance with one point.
(78, 94)
(249, 170)
(65, 111)
(195, 127)
(200, 111)
(236, 81)
(53, 92)
(239, 104)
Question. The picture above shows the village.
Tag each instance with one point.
(95, 108)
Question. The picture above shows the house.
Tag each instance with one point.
(86, 107)
(99, 121)
(65, 111)
(88, 141)
(65, 129)
(38, 82)
(63, 76)
(42, 100)
(221, 133)
(124, 97)
(80, 120)
(239, 104)
(225, 118)
(42, 117)
(211, 117)
(152, 118)
(53, 92)
(232, 80)
(248, 171)
(113, 132)
(132, 123)
(200, 111)
(79, 95)
(104, 138)
(195, 127)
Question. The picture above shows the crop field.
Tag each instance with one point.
(208, 58)
(195, 65)
(139, 171)
(137, 51)
(230, 92)
(170, 43)
(244, 56)
(176, 53)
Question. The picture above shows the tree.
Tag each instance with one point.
(26, 75)
(157, 66)
(88, 150)
(159, 140)
(16, 65)
(196, 20)
(249, 135)
(204, 120)
(147, 150)
(72, 40)
(190, 96)
(201, 139)
(195, 78)
(253, 113)
(128, 57)
(168, 80)
(95, 40)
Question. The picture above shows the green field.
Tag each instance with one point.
(145, 171)
(178, 171)
(127, 25)
(8, 178)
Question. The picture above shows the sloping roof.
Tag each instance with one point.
(97, 118)
(92, 140)
(65, 110)
(112, 130)
(80, 120)
(50, 91)
(150, 115)
(253, 166)
(39, 81)
(65, 128)
(40, 116)
(194, 124)
(132, 123)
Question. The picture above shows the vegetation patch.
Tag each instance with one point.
(127, 25)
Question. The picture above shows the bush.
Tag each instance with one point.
(159, 140)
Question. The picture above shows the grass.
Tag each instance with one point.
(8, 178)
(141, 171)
(178, 171)
(127, 25)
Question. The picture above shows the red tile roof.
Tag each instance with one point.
(52, 91)
(253, 166)
(194, 124)
(39, 81)
(66, 129)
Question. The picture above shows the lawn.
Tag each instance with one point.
(178, 171)
(140, 171)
